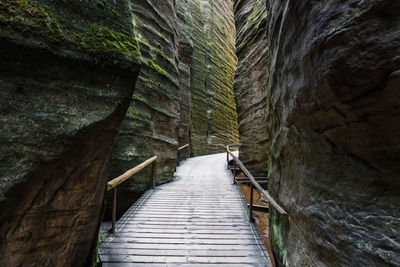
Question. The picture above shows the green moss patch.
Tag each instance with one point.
(156, 67)
(101, 39)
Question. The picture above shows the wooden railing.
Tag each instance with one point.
(185, 149)
(253, 183)
(112, 185)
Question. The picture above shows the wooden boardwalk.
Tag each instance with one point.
(199, 219)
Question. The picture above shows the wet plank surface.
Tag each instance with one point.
(199, 219)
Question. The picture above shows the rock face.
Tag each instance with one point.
(213, 113)
(68, 70)
(251, 80)
(185, 54)
(332, 119)
(185, 85)
(152, 120)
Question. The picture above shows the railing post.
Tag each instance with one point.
(227, 159)
(114, 210)
(251, 203)
(153, 173)
(234, 171)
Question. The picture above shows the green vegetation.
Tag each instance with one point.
(27, 19)
(101, 39)
(156, 67)
(100, 239)
(258, 17)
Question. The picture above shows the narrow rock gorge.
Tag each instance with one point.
(184, 91)
(318, 81)
(311, 89)
(89, 90)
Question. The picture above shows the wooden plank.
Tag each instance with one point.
(176, 252)
(122, 264)
(180, 259)
(136, 246)
(232, 242)
(182, 230)
(188, 235)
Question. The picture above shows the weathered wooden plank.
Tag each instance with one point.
(181, 259)
(143, 240)
(175, 252)
(136, 246)
(188, 235)
(122, 264)
(222, 231)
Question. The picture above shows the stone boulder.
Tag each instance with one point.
(68, 70)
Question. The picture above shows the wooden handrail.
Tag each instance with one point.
(253, 180)
(112, 185)
(122, 178)
(182, 147)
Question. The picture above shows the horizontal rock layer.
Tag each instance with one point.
(67, 75)
(332, 120)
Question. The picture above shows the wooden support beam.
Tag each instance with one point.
(259, 208)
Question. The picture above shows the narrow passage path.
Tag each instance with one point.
(199, 219)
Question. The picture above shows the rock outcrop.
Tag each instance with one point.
(68, 70)
(250, 85)
(185, 85)
(333, 72)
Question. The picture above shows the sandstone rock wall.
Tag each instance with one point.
(67, 73)
(213, 111)
(250, 85)
(332, 121)
(152, 120)
(185, 54)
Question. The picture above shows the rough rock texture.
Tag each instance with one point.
(333, 125)
(151, 123)
(67, 72)
(213, 113)
(186, 85)
(185, 54)
(250, 85)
